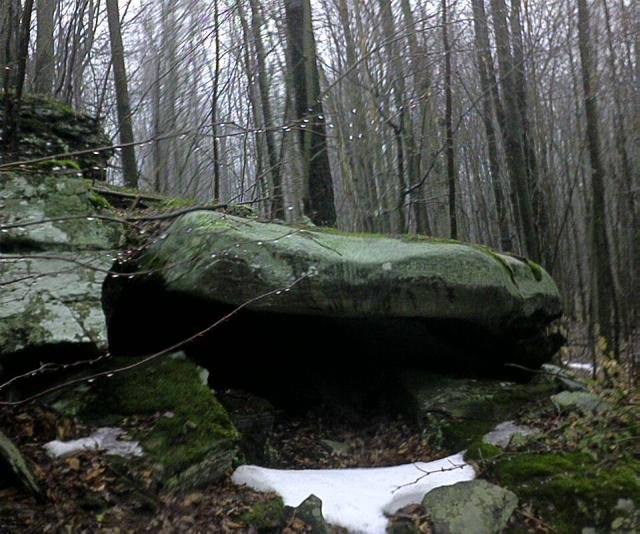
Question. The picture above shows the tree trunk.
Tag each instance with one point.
(277, 199)
(513, 134)
(451, 169)
(485, 61)
(125, 126)
(44, 67)
(318, 185)
(16, 85)
(603, 277)
(214, 105)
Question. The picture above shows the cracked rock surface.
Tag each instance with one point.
(51, 273)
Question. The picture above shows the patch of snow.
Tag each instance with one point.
(580, 366)
(358, 499)
(105, 438)
(501, 435)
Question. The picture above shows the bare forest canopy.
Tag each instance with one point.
(508, 123)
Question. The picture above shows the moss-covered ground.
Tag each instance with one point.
(582, 471)
(191, 424)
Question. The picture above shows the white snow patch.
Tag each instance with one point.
(580, 366)
(105, 438)
(357, 499)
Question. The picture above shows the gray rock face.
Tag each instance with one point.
(52, 273)
(501, 435)
(232, 260)
(474, 507)
(579, 401)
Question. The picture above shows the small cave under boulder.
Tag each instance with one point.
(298, 361)
(303, 316)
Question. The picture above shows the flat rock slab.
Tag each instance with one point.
(232, 260)
(51, 299)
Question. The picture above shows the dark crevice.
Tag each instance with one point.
(301, 361)
(29, 359)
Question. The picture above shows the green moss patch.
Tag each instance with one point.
(569, 489)
(266, 515)
(192, 425)
(480, 451)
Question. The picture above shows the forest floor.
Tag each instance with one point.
(88, 492)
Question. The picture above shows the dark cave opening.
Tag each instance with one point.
(298, 362)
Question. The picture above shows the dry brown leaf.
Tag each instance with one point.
(73, 463)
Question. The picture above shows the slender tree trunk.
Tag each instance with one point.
(13, 102)
(451, 166)
(484, 60)
(318, 185)
(123, 105)
(277, 200)
(604, 291)
(44, 68)
(513, 134)
(423, 145)
(214, 105)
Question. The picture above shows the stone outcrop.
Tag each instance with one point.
(52, 271)
(49, 128)
(354, 302)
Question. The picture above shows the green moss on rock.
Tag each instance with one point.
(193, 427)
(193, 424)
(48, 127)
(455, 412)
(569, 489)
(266, 515)
(480, 451)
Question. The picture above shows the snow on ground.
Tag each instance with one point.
(357, 499)
(105, 438)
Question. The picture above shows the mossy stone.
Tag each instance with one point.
(193, 434)
(474, 506)
(266, 516)
(232, 260)
(569, 489)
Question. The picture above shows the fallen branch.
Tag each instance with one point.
(427, 473)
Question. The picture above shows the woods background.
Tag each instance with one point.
(511, 123)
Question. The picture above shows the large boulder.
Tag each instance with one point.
(49, 128)
(339, 298)
(52, 269)
(231, 260)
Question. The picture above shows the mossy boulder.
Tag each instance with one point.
(27, 198)
(456, 412)
(51, 303)
(48, 127)
(380, 299)
(570, 490)
(192, 440)
(233, 260)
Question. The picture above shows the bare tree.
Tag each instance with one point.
(129, 167)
